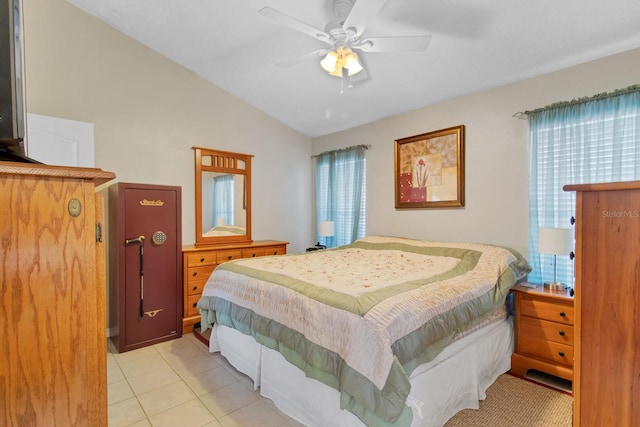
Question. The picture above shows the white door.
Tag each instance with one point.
(61, 142)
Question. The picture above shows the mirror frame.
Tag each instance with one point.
(224, 162)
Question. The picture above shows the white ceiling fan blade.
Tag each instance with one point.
(296, 60)
(295, 24)
(394, 44)
(361, 14)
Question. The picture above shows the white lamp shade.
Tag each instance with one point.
(353, 64)
(329, 62)
(325, 228)
(555, 241)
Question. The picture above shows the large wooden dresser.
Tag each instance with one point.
(607, 301)
(53, 369)
(199, 262)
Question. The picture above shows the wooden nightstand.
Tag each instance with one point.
(544, 332)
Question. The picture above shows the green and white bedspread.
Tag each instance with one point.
(361, 317)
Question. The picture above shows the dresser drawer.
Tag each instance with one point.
(252, 253)
(549, 350)
(201, 258)
(195, 287)
(191, 307)
(199, 273)
(275, 250)
(547, 310)
(229, 255)
(531, 327)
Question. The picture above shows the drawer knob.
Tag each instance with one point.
(561, 332)
(572, 255)
(562, 314)
(195, 304)
(561, 353)
(253, 255)
(195, 273)
(202, 259)
(196, 288)
(229, 257)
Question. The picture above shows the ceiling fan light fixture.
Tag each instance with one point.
(341, 58)
(330, 62)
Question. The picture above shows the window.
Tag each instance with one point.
(341, 194)
(223, 199)
(585, 141)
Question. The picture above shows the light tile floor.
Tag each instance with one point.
(178, 383)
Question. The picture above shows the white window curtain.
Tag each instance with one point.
(583, 141)
(223, 200)
(341, 194)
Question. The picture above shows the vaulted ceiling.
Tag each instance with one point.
(474, 45)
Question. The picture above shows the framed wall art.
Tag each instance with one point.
(429, 169)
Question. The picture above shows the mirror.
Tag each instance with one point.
(223, 197)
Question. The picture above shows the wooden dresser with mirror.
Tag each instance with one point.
(223, 224)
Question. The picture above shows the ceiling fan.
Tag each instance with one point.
(344, 36)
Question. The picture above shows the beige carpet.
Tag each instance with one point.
(515, 402)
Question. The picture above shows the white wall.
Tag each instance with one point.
(148, 112)
(496, 208)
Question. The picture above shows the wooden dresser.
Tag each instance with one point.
(606, 384)
(199, 262)
(544, 332)
(53, 368)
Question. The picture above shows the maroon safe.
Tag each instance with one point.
(145, 264)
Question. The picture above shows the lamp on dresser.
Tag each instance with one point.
(555, 241)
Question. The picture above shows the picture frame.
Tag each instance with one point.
(429, 169)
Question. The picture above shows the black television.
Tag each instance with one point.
(12, 107)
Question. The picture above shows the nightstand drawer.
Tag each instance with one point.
(546, 330)
(199, 273)
(559, 353)
(547, 310)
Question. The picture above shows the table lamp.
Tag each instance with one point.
(555, 241)
(325, 229)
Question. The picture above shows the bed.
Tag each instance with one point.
(386, 331)
(225, 230)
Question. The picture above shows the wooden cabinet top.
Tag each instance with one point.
(254, 244)
(541, 292)
(97, 176)
(608, 186)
